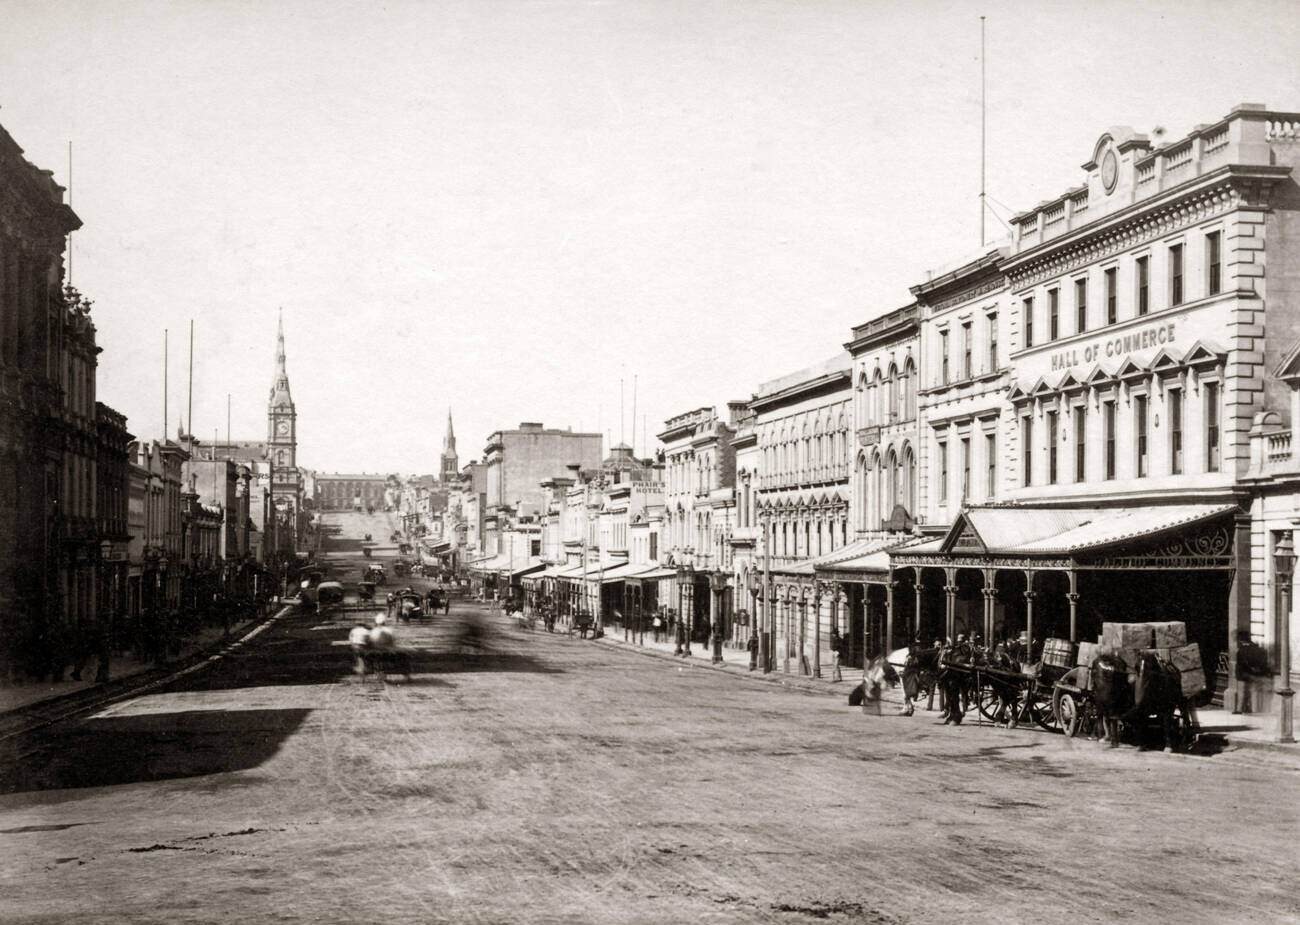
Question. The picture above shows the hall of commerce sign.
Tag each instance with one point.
(1114, 347)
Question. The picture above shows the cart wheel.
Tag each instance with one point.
(988, 702)
(1067, 711)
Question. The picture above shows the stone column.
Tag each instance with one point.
(1238, 608)
(950, 603)
(817, 630)
(889, 589)
(1073, 597)
(919, 590)
(1029, 622)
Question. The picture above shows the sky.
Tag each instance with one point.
(509, 208)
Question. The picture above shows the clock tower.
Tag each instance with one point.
(282, 450)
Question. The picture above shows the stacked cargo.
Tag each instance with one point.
(1167, 640)
(1059, 653)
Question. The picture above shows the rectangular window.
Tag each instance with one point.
(1051, 447)
(991, 465)
(1028, 311)
(1213, 263)
(1175, 402)
(966, 369)
(1080, 305)
(1080, 442)
(1143, 266)
(1211, 391)
(943, 348)
(1140, 431)
(1108, 420)
(1053, 314)
(1176, 275)
(1112, 301)
(1027, 448)
(654, 546)
(993, 343)
(965, 467)
(943, 472)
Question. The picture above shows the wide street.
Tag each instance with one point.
(544, 778)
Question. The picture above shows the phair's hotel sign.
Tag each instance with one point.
(1112, 348)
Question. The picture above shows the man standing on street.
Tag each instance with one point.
(753, 652)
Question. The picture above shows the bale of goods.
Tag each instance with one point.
(1193, 680)
(1131, 658)
(1059, 652)
(1186, 658)
(1127, 635)
(1087, 652)
(1169, 635)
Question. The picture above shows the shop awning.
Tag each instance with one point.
(1066, 533)
(627, 570)
(869, 561)
(534, 564)
(655, 574)
(849, 552)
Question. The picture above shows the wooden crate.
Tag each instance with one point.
(1169, 635)
(1127, 635)
(1193, 681)
(1186, 658)
(1087, 652)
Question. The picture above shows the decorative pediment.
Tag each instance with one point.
(899, 521)
(1070, 384)
(963, 537)
(1290, 367)
(1017, 395)
(1098, 378)
(1041, 389)
(1129, 370)
(1164, 362)
(1204, 354)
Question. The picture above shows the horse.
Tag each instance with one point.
(1112, 694)
(1157, 691)
(921, 675)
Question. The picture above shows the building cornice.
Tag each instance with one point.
(829, 383)
(1229, 187)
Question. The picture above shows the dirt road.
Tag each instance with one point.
(547, 779)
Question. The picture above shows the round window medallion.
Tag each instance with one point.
(1109, 171)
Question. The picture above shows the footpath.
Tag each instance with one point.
(1236, 730)
(24, 707)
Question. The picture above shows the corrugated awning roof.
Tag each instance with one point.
(1058, 531)
(855, 550)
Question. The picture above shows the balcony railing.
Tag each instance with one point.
(1278, 446)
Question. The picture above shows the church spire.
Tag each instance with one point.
(280, 384)
(450, 465)
(279, 345)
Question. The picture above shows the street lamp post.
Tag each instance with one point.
(1284, 567)
(718, 587)
(688, 606)
(768, 624)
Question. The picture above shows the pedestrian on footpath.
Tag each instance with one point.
(753, 652)
(911, 678)
(837, 649)
(681, 638)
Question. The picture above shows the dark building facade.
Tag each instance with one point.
(48, 543)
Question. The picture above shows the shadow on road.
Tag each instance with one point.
(150, 747)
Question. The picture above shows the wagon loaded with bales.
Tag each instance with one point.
(1160, 673)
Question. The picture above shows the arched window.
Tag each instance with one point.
(909, 476)
(908, 398)
(876, 393)
(891, 395)
(861, 476)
